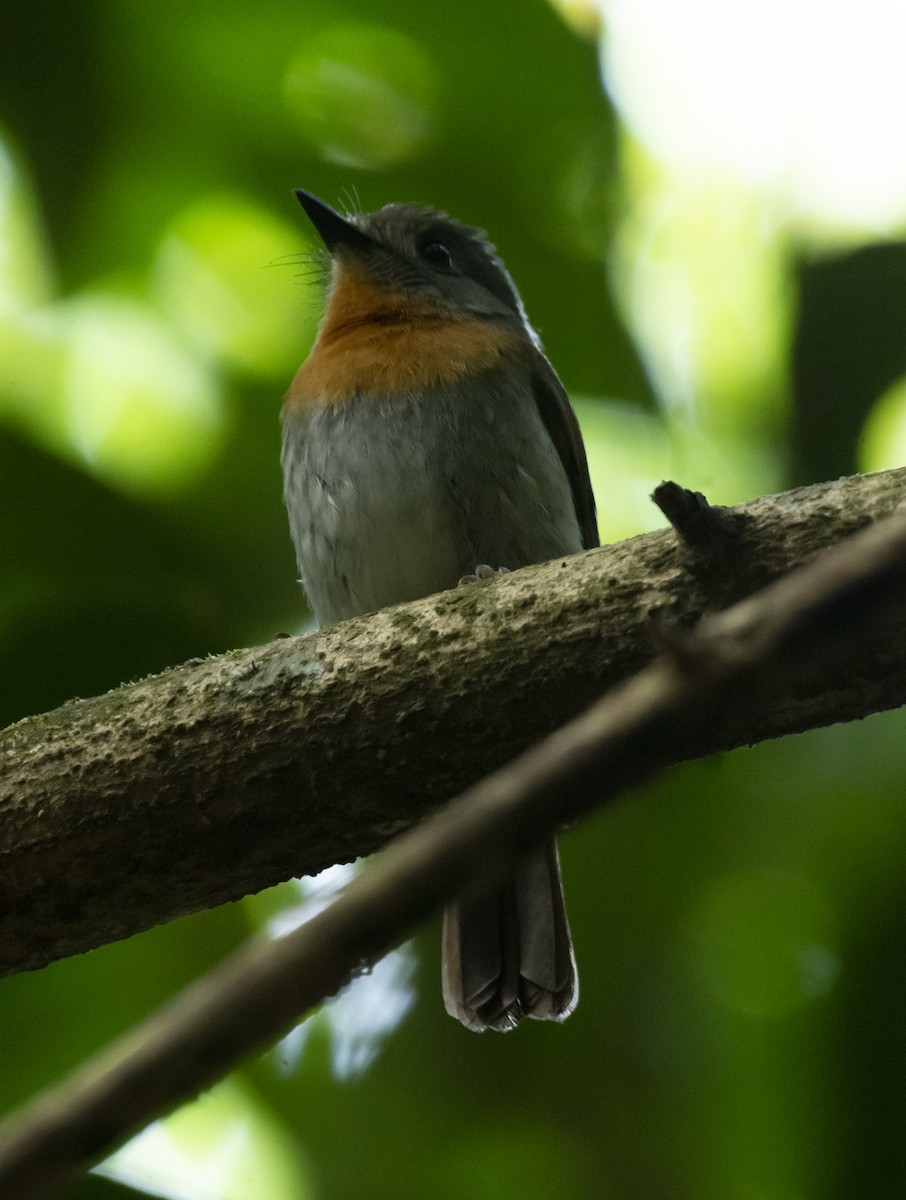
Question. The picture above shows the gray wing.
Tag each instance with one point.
(563, 428)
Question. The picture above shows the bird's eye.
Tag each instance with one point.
(437, 254)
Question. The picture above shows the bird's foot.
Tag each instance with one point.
(482, 573)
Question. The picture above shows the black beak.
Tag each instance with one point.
(336, 232)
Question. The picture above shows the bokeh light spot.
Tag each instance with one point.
(883, 442)
(225, 1146)
(224, 274)
(24, 270)
(628, 453)
(793, 98)
(139, 409)
(568, 191)
(762, 942)
(362, 1016)
(363, 96)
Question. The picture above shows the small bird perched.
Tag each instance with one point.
(425, 436)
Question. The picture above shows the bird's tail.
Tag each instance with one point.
(509, 955)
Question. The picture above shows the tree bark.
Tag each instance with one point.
(741, 660)
(226, 775)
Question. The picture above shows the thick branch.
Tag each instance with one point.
(226, 775)
(750, 659)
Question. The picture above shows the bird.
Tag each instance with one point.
(425, 438)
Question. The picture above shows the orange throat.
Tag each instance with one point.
(382, 343)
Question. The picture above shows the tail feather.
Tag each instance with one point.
(509, 955)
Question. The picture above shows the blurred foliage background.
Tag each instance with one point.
(701, 204)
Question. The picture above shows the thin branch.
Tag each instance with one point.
(801, 629)
(227, 775)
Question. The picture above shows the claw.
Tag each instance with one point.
(482, 573)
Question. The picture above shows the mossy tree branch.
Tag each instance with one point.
(748, 659)
(226, 775)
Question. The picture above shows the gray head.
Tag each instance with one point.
(424, 254)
